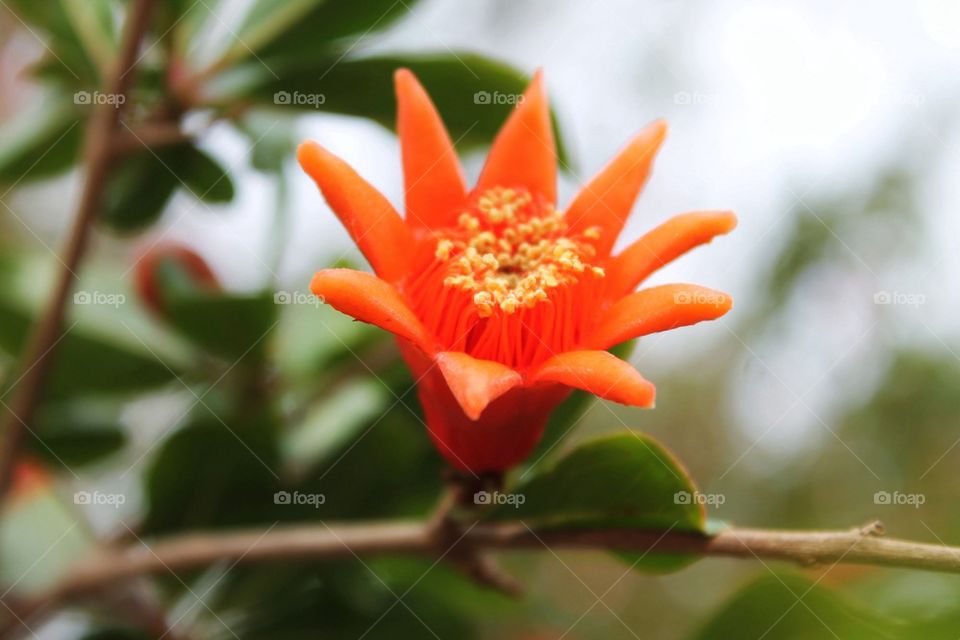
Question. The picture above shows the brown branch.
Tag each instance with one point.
(37, 355)
(110, 566)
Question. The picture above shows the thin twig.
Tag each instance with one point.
(37, 355)
(108, 567)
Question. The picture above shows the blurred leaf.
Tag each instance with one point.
(86, 363)
(228, 325)
(364, 87)
(623, 480)
(790, 607)
(40, 538)
(213, 472)
(142, 184)
(204, 177)
(333, 421)
(75, 435)
(80, 32)
(40, 141)
(297, 31)
(271, 139)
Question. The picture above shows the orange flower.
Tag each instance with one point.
(500, 302)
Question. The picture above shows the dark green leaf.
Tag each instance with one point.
(623, 480)
(214, 472)
(364, 88)
(41, 141)
(284, 34)
(789, 607)
(231, 326)
(75, 435)
(142, 184)
(86, 363)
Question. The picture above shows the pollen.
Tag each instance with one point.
(512, 252)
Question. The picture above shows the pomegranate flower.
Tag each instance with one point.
(501, 303)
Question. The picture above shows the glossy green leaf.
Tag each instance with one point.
(625, 480)
(789, 607)
(459, 84)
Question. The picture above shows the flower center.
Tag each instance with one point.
(509, 251)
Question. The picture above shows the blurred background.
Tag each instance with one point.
(197, 376)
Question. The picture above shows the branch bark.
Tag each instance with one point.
(110, 566)
(37, 355)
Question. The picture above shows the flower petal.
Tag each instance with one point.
(432, 177)
(664, 244)
(370, 299)
(369, 217)
(607, 199)
(475, 383)
(600, 373)
(656, 309)
(524, 153)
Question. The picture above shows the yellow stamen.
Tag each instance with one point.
(511, 252)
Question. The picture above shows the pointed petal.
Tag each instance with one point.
(370, 299)
(524, 153)
(369, 217)
(664, 244)
(657, 309)
(475, 383)
(607, 199)
(432, 177)
(600, 373)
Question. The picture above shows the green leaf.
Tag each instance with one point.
(288, 33)
(40, 539)
(212, 473)
(75, 435)
(40, 141)
(106, 348)
(625, 480)
(789, 607)
(205, 178)
(143, 183)
(364, 87)
(81, 33)
(333, 421)
(231, 326)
